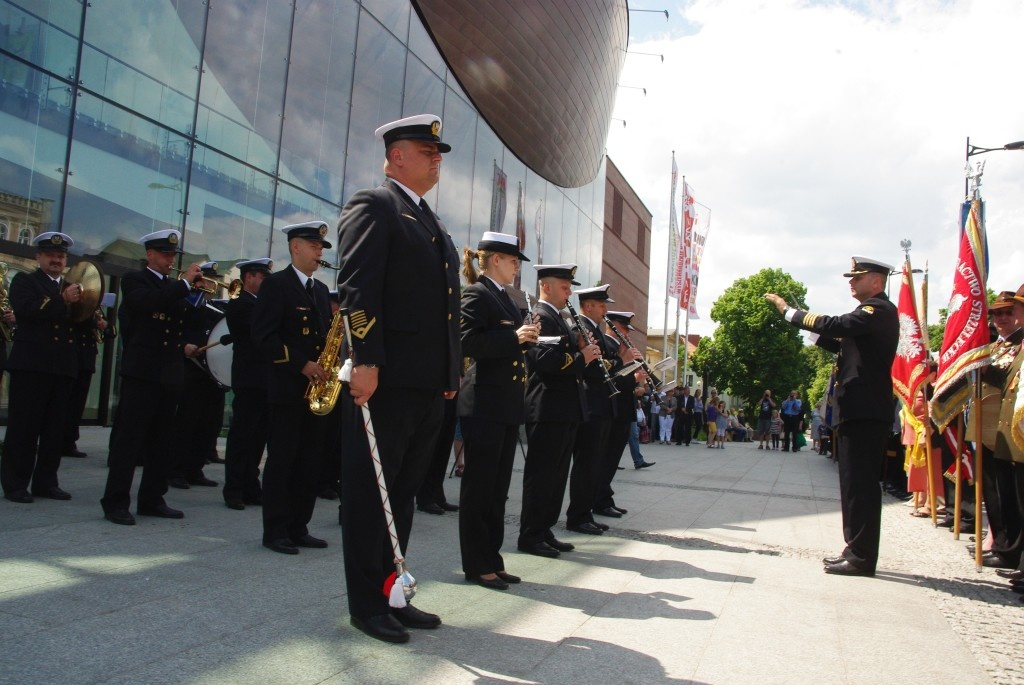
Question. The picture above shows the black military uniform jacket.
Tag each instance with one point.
(866, 340)
(399, 280)
(152, 319)
(44, 341)
(248, 368)
(86, 344)
(289, 328)
(554, 387)
(600, 404)
(495, 384)
(625, 401)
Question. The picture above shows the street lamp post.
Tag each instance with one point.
(973, 150)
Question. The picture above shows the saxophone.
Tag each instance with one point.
(323, 395)
(6, 331)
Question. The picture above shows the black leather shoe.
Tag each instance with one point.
(308, 540)
(1019, 589)
(602, 526)
(508, 577)
(609, 511)
(559, 545)
(586, 527)
(644, 464)
(620, 510)
(281, 545)
(52, 493)
(411, 617)
(828, 561)
(19, 496)
(236, 504)
(491, 583)
(995, 560)
(845, 568)
(202, 480)
(160, 511)
(541, 549)
(1010, 574)
(1017, 583)
(179, 483)
(431, 508)
(121, 517)
(450, 507)
(74, 452)
(383, 627)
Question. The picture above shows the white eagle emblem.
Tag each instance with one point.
(956, 302)
(909, 345)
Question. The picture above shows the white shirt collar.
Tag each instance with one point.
(499, 286)
(413, 196)
(302, 277)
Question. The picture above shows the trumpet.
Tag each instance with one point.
(623, 339)
(590, 341)
(210, 285)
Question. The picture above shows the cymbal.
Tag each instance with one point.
(87, 275)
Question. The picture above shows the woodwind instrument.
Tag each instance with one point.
(590, 341)
(6, 330)
(623, 339)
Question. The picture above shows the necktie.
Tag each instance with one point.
(309, 287)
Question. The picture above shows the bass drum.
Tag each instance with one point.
(218, 358)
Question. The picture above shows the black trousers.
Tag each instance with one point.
(199, 419)
(685, 423)
(432, 490)
(406, 423)
(247, 438)
(77, 397)
(144, 434)
(587, 454)
(790, 427)
(289, 476)
(999, 490)
(608, 465)
(490, 451)
(548, 454)
(860, 452)
(1018, 482)
(37, 404)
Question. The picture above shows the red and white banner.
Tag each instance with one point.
(675, 280)
(701, 227)
(685, 259)
(910, 367)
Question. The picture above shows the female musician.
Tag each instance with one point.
(490, 404)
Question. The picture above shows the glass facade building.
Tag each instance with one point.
(228, 120)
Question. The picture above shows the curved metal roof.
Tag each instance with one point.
(543, 74)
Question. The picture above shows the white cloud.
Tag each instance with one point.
(815, 131)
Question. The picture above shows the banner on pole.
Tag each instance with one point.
(498, 200)
(910, 366)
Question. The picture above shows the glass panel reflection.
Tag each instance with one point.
(319, 85)
(41, 32)
(393, 15)
(296, 207)
(34, 127)
(453, 203)
(127, 179)
(242, 92)
(229, 210)
(152, 69)
(375, 100)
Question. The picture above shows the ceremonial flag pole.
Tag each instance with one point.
(965, 346)
(671, 285)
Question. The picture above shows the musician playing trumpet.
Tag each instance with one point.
(490, 403)
(152, 319)
(554, 410)
(42, 365)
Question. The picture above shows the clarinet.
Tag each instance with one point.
(623, 339)
(590, 341)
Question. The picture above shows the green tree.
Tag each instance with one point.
(754, 348)
(821, 363)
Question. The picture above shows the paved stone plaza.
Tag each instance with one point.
(714, 576)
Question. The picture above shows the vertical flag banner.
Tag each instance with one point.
(675, 280)
(520, 230)
(909, 368)
(965, 342)
(538, 227)
(684, 262)
(498, 199)
(701, 227)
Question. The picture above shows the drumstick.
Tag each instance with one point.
(225, 339)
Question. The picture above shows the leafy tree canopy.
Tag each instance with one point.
(753, 347)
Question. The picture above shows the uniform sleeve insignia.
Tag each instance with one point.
(46, 301)
(409, 216)
(607, 364)
(360, 326)
(285, 358)
(869, 309)
(810, 319)
(568, 361)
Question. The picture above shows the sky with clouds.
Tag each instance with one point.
(819, 130)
